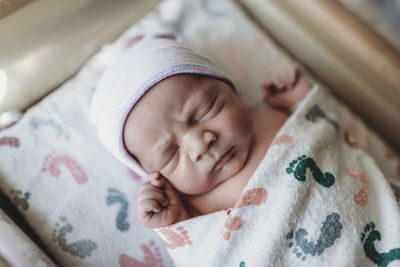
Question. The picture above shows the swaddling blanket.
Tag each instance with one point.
(316, 199)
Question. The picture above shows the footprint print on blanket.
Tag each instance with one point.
(152, 257)
(37, 123)
(361, 198)
(115, 196)
(369, 236)
(80, 248)
(315, 113)
(9, 141)
(52, 163)
(299, 169)
(21, 200)
(329, 232)
(176, 236)
(252, 197)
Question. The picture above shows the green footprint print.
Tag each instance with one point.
(81, 248)
(115, 196)
(21, 201)
(368, 236)
(325, 179)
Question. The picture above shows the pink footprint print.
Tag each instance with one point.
(252, 197)
(177, 237)
(283, 139)
(9, 141)
(52, 164)
(361, 198)
(232, 224)
(152, 257)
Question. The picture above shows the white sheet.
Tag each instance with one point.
(74, 194)
(316, 199)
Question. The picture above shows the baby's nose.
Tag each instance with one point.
(199, 142)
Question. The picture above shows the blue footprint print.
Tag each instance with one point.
(326, 179)
(330, 231)
(115, 196)
(369, 236)
(81, 248)
(37, 123)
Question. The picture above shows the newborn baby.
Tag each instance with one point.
(318, 200)
(169, 111)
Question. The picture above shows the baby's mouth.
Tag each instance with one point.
(223, 160)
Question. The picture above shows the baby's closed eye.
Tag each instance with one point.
(200, 114)
(173, 156)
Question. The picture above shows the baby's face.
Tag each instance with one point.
(193, 130)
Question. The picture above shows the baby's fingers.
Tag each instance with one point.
(155, 194)
(155, 179)
(172, 195)
(149, 206)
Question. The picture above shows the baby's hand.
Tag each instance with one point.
(286, 88)
(158, 203)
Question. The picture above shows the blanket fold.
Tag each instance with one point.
(318, 198)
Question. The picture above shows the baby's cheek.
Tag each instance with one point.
(239, 121)
(184, 178)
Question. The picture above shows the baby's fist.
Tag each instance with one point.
(286, 88)
(158, 204)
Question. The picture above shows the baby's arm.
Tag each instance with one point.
(158, 203)
(286, 88)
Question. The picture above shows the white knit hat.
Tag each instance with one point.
(129, 77)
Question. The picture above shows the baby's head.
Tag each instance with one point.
(163, 107)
